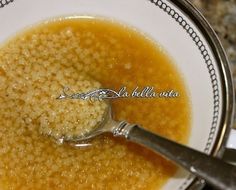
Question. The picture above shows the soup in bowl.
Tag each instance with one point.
(37, 64)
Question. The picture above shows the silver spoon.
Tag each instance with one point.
(216, 172)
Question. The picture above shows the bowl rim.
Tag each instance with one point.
(226, 118)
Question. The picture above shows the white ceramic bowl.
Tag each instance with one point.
(185, 35)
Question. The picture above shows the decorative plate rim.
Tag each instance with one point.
(226, 118)
(211, 69)
(3, 3)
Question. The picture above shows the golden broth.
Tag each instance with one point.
(36, 65)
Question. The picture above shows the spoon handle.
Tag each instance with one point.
(218, 173)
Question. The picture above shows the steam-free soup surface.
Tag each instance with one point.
(34, 68)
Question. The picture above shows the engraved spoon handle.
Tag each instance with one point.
(218, 173)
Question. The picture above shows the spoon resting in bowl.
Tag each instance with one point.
(215, 171)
